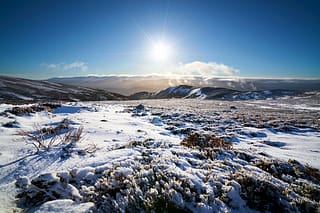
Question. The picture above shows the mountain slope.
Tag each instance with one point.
(25, 90)
(189, 92)
(128, 85)
(174, 92)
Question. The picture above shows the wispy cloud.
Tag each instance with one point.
(200, 68)
(83, 66)
(77, 65)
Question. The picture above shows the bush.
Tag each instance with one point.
(265, 195)
(32, 109)
(261, 194)
(44, 138)
(196, 140)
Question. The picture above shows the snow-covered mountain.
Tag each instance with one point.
(180, 91)
(25, 90)
(189, 92)
(128, 85)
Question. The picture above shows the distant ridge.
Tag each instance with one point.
(189, 92)
(14, 90)
(128, 85)
(19, 90)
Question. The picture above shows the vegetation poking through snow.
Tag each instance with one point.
(207, 171)
(282, 169)
(73, 135)
(160, 179)
(205, 141)
(42, 138)
(44, 188)
(263, 194)
(32, 109)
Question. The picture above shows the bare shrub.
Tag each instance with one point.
(37, 138)
(264, 195)
(21, 110)
(73, 135)
(44, 138)
(32, 109)
(196, 140)
(91, 148)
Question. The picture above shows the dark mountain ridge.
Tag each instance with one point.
(15, 90)
(24, 90)
(128, 85)
(208, 93)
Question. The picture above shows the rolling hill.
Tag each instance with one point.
(24, 90)
(189, 92)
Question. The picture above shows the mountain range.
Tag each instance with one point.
(13, 90)
(189, 92)
(25, 90)
(128, 85)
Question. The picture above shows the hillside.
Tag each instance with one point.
(128, 85)
(25, 90)
(190, 92)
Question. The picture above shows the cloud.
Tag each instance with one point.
(199, 68)
(83, 66)
(52, 66)
(80, 65)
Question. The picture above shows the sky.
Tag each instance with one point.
(249, 38)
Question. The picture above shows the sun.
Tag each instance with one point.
(161, 51)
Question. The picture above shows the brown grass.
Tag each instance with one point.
(73, 135)
(39, 137)
(196, 140)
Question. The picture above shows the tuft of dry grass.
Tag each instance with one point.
(261, 194)
(37, 138)
(196, 140)
(44, 138)
(32, 109)
(74, 135)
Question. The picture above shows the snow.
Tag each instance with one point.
(18, 159)
(131, 148)
(303, 145)
(283, 103)
(18, 96)
(198, 93)
(66, 206)
(67, 110)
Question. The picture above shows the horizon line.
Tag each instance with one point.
(169, 76)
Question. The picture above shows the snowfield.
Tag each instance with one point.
(161, 155)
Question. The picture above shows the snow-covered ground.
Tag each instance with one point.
(104, 127)
(302, 145)
(131, 158)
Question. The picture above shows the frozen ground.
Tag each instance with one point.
(132, 158)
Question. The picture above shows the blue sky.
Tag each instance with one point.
(42, 39)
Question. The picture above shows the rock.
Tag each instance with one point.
(44, 188)
(22, 182)
(233, 107)
(11, 124)
(140, 108)
(157, 121)
(45, 180)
